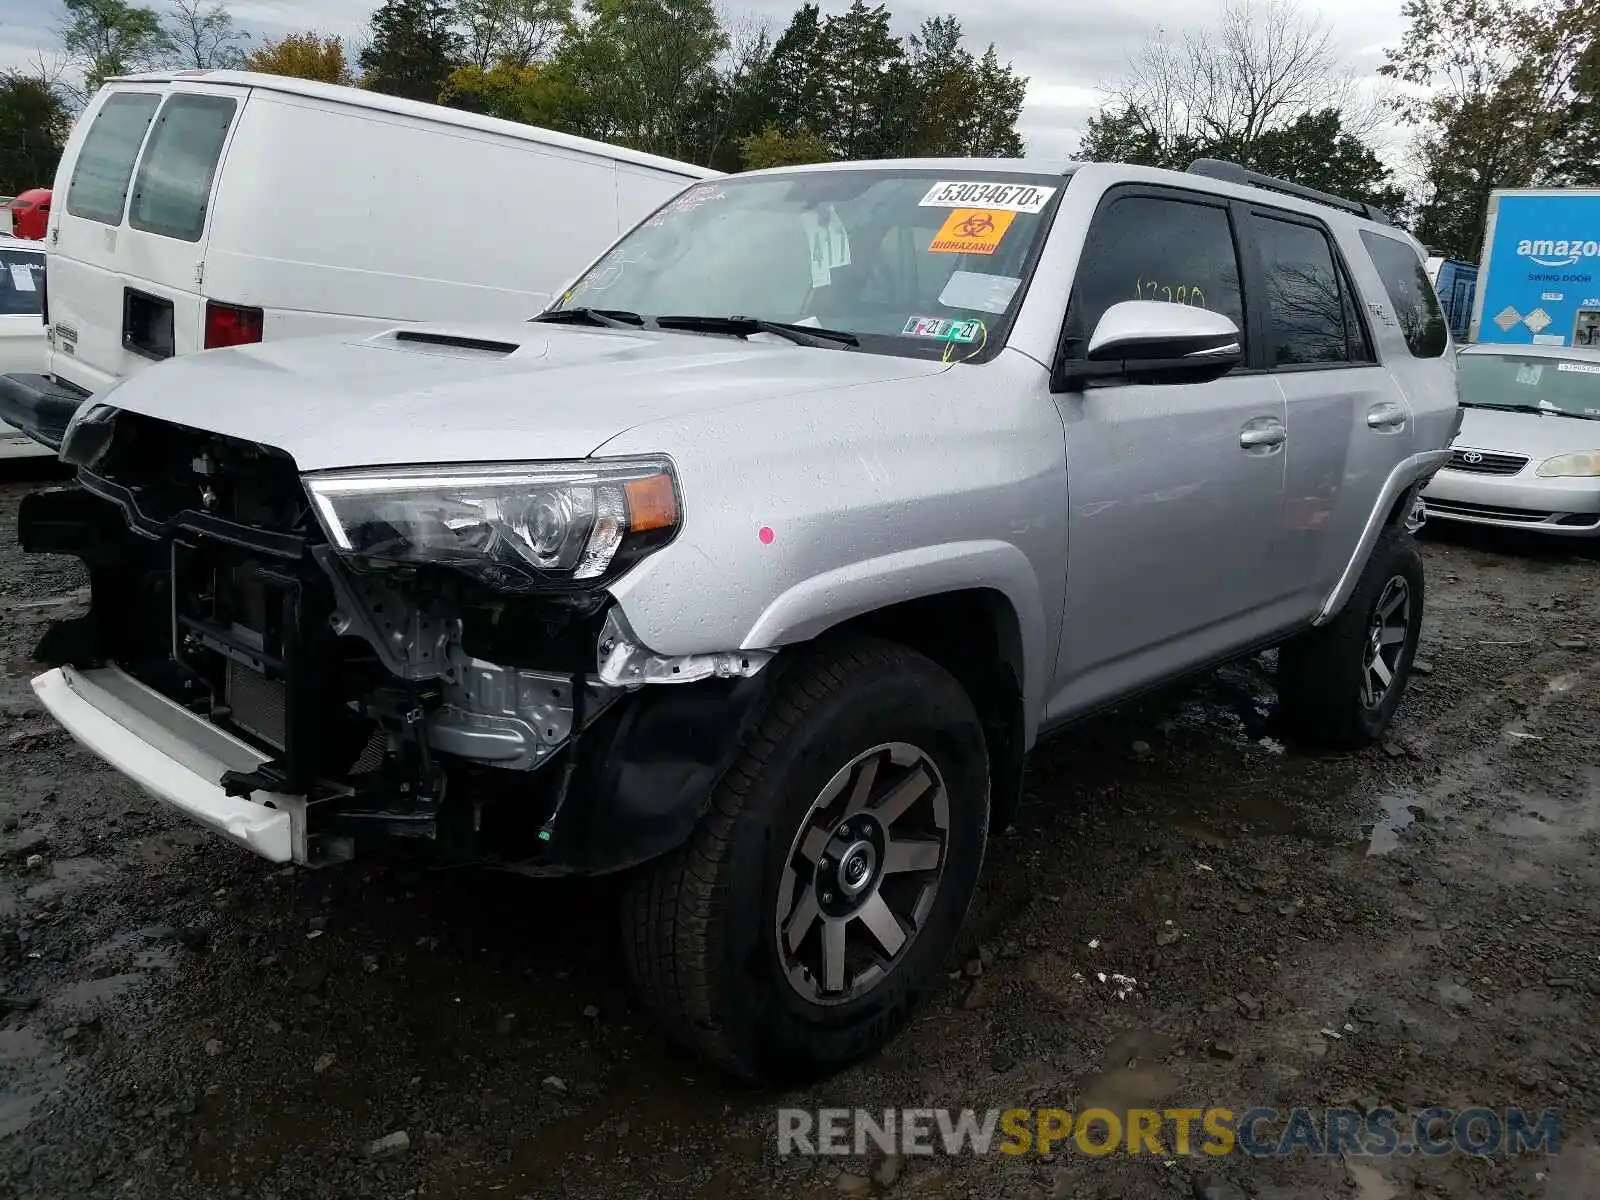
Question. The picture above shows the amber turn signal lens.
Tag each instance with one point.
(652, 504)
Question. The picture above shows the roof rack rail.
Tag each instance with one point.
(1232, 172)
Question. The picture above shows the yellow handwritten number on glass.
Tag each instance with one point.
(1151, 289)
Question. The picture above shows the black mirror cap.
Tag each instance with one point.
(1077, 375)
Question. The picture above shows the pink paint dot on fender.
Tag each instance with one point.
(766, 535)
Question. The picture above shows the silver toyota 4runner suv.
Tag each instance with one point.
(755, 567)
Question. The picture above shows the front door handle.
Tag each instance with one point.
(1263, 435)
(1386, 416)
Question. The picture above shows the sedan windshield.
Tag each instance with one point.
(21, 282)
(1524, 382)
(911, 262)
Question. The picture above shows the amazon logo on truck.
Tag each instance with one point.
(1548, 252)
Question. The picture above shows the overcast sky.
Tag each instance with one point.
(1065, 51)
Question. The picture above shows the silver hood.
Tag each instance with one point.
(439, 394)
(1537, 436)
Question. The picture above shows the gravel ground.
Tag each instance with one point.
(179, 1019)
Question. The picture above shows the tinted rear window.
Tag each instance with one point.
(1416, 307)
(99, 187)
(21, 283)
(180, 163)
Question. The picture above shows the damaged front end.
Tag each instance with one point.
(313, 664)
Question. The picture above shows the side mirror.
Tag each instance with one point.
(1153, 341)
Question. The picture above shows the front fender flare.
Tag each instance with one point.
(814, 605)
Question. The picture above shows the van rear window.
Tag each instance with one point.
(179, 166)
(99, 187)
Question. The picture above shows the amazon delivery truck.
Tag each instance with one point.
(1539, 275)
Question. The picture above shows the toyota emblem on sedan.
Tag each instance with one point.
(1471, 456)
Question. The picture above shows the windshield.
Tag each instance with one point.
(21, 283)
(912, 262)
(1556, 385)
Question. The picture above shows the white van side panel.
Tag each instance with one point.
(334, 209)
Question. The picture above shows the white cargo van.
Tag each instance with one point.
(198, 209)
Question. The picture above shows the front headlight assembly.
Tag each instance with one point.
(1583, 465)
(517, 528)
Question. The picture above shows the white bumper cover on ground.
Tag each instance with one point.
(174, 755)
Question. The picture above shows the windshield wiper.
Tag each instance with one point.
(800, 335)
(1534, 408)
(611, 318)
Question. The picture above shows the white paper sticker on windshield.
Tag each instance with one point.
(829, 244)
(1007, 197)
(1529, 373)
(974, 289)
(22, 278)
(1580, 368)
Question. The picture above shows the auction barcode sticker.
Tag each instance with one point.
(1009, 197)
(1580, 368)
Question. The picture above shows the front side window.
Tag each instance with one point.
(1156, 248)
(1305, 304)
(174, 185)
(1567, 387)
(21, 283)
(99, 187)
(1416, 305)
(910, 262)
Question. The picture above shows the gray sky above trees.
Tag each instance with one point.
(1066, 49)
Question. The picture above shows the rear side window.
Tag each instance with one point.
(1306, 305)
(1412, 297)
(1156, 248)
(99, 187)
(21, 283)
(179, 166)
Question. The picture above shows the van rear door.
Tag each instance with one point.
(128, 247)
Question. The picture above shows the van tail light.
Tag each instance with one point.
(231, 325)
(44, 293)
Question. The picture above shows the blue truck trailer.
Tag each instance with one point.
(1539, 275)
(1457, 285)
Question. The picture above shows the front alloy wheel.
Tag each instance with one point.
(825, 886)
(862, 873)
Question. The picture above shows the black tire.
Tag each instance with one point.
(1320, 673)
(700, 926)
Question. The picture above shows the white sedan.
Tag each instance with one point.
(22, 344)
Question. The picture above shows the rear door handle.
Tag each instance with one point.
(1386, 416)
(1263, 434)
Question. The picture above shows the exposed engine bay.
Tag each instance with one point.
(401, 701)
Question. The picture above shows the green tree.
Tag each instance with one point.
(111, 37)
(857, 56)
(769, 148)
(516, 32)
(202, 37)
(34, 122)
(1219, 90)
(792, 76)
(310, 55)
(414, 48)
(1492, 86)
(637, 71)
(1314, 150)
(531, 94)
(1577, 157)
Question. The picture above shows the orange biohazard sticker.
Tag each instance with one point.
(972, 231)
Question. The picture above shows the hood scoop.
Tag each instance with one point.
(455, 341)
